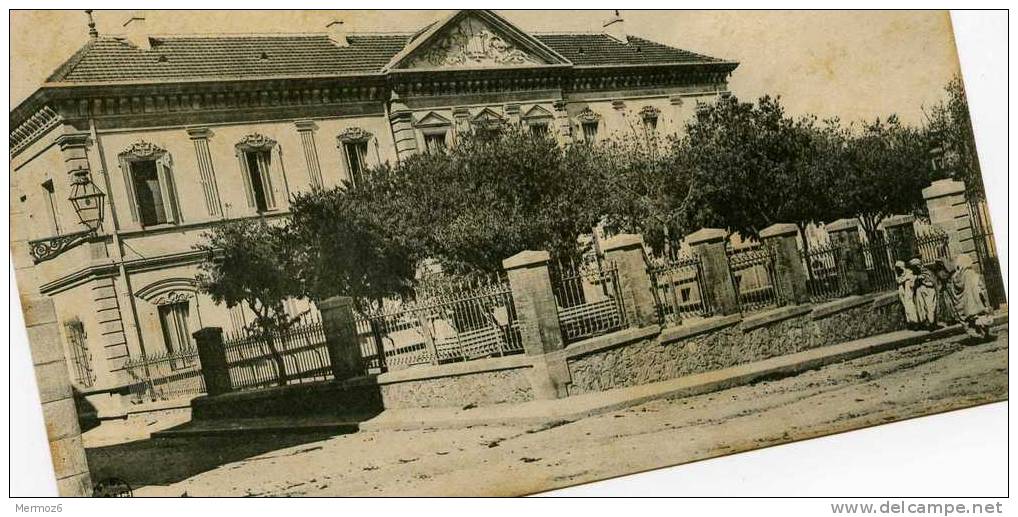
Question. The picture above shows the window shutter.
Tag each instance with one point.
(125, 168)
(264, 174)
(248, 188)
(164, 171)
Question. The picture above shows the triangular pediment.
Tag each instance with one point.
(537, 112)
(474, 39)
(433, 119)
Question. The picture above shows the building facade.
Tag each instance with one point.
(181, 132)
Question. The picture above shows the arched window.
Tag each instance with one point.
(148, 174)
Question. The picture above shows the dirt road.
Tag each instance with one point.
(880, 388)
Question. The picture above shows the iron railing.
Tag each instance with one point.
(442, 327)
(878, 256)
(589, 299)
(165, 376)
(824, 272)
(753, 275)
(679, 288)
(301, 347)
(932, 244)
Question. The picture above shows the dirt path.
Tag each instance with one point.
(923, 379)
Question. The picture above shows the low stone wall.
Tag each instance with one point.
(727, 341)
(480, 383)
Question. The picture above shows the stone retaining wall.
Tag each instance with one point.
(728, 341)
(479, 389)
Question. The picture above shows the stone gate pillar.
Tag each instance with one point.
(789, 272)
(537, 311)
(341, 337)
(709, 245)
(850, 259)
(215, 371)
(948, 208)
(628, 254)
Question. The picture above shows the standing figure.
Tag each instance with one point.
(968, 295)
(925, 294)
(906, 294)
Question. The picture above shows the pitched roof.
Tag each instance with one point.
(602, 49)
(193, 57)
(111, 59)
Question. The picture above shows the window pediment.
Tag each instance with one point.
(353, 135)
(142, 150)
(255, 142)
(588, 116)
(537, 112)
(432, 119)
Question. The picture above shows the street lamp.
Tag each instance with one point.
(87, 200)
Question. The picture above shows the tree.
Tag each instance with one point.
(491, 196)
(884, 170)
(343, 247)
(251, 262)
(753, 166)
(949, 128)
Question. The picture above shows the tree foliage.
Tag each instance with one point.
(251, 262)
(950, 127)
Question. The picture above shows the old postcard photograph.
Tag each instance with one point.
(488, 252)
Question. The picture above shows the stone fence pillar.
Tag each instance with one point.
(850, 259)
(537, 311)
(58, 410)
(901, 237)
(789, 272)
(341, 338)
(709, 245)
(945, 200)
(212, 356)
(627, 253)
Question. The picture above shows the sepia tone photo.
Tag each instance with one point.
(488, 252)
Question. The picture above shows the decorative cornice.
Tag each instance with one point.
(199, 133)
(142, 150)
(352, 135)
(40, 123)
(306, 125)
(588, 116)
(649, 112)
(255, 142)
(72, 140)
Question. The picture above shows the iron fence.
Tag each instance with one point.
(878, 256)
(165, 376)
(679, 288)
(753, 275)
(301, 348)
(824, 272)
(442, 327)
(589, 299)
(932, 244)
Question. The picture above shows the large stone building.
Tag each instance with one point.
(180, 132)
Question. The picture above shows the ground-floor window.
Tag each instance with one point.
(173, 319)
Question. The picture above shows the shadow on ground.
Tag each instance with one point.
(162, 461)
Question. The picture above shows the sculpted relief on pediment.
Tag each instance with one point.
(471, 43)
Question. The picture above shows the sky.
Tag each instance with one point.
(855, 65)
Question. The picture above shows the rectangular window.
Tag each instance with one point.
(539, 129)
(51, 204)
(590, 132)
(258, 164)
(176, 332)
(355, 152)
(155, 192)
(434, 141)
(650, 125)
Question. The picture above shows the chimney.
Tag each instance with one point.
(615, 27)
(337, 33)
(137, 32)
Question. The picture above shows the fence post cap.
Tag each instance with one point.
(941, 188)
(335, 302)
(623, 240)
(897, 220)
(207, 332)
(779, 230)
(704, 235)
(526, 258)
(841, 225)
